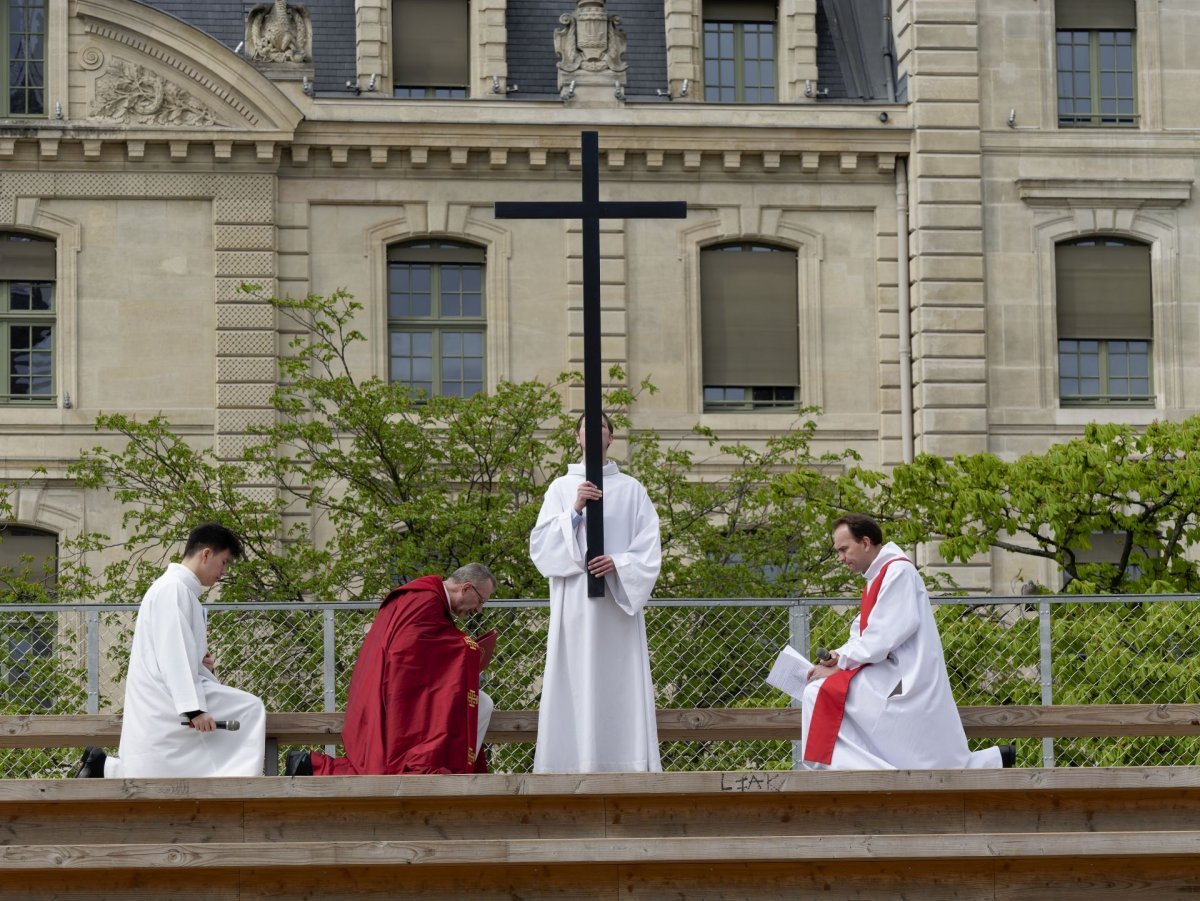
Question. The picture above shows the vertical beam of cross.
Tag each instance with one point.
(590, 210)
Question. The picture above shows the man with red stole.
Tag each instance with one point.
(882, 700)
(414, 704)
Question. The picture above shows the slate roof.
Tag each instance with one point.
(333, 32)
(531, 57)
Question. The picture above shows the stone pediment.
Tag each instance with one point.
(144, 70)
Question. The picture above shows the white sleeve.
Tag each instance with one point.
(554, 543)
(175, 649)
(895, 617)
(638, 565)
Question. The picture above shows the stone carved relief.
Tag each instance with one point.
(591, 49)
(278, 33)
(140, 96)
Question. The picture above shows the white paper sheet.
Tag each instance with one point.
(790, 672)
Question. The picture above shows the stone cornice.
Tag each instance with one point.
(1122, 193)
(518, 146)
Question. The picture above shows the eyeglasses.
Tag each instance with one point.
(478, 594)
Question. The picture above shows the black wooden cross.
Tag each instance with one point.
(591, 209)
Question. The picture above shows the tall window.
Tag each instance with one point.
(27, 319)
(436, 325)
(430, 48)
(28, 558)
(1096, 56)
(23, 36)
(739, 51)
(749, 313)
(1105, 322)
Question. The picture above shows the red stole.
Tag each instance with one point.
(827, 715)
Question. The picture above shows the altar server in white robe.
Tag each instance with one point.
(597, 708)
(170, 681)
(895, 709)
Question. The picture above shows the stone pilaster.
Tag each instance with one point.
(373, 48)
(685, 53)
(938, 41)
(797, 30)
(490, 59)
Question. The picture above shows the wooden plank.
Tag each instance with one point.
(425, 819)
(235, 855)
(807, 782)
(1081, 720)
(704, 724)
(1091, 879)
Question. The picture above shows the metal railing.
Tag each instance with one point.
(1066, 649)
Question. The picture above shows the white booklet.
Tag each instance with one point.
(790, 672)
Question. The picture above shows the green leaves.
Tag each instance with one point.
(1138, 489)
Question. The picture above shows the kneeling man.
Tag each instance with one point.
(414, 704)
(171, 685)
(882, 700)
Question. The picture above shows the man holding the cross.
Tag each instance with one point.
(882, 700)
(597, 709)
(597, 701)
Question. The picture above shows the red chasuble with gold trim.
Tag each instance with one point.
(830, 706)
(413, 703)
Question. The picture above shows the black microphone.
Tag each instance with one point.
(823, 655)
(229, 725)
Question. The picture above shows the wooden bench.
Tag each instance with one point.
(1087, 832)
(703, 724)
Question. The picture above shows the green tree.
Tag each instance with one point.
(1141, 486)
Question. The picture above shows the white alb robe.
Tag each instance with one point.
(167, 679)
(597, 709)
(900, 713)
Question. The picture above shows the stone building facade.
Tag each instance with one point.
(900, 211)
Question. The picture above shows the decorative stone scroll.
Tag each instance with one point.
(137, 95)
(591, 49)
(278, 33)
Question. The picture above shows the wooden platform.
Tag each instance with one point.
(1005, 834)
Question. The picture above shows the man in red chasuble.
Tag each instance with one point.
(414, 704)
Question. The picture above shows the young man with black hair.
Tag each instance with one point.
(173, 700)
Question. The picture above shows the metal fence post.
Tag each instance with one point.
(1047, 675)
(798, 638)
(327, 670)
(93, 661)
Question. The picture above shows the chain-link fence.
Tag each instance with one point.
(1031, 650)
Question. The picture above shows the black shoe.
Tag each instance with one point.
(91, 764)
(299, 763)
(1008, 755)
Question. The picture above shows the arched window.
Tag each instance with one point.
(749, 314)
(28, 563)
(436, 324)
(1103, 296)
(27, 319)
